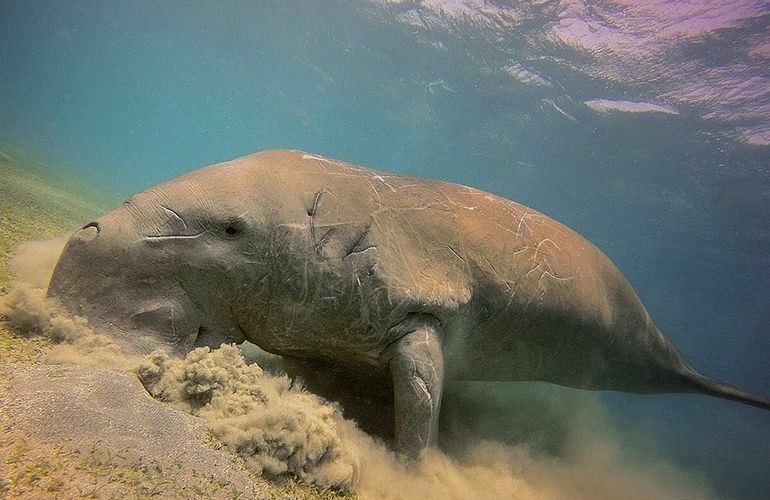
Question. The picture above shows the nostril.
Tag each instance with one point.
(92, 224)
(87, 232)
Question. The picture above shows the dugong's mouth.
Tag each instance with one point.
(238, 324)
(213, 334)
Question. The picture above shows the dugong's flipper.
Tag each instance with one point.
(416, 364)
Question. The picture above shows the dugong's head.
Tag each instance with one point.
(171, 266)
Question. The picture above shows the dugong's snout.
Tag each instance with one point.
(121, 290)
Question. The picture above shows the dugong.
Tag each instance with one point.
(387, 275)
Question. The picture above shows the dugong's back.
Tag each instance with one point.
(520, 296)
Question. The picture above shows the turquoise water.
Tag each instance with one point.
(644, 127)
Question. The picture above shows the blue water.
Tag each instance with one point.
(492, 95)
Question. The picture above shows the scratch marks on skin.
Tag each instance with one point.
(425, 395)
(253, 254)
(541, 262)
(358, 241)
(543, 258)
(522, 223)
(319, 158)
(292, 225)
(202, 201)
(174, 215)
(376, 194)
(550, 274)
(325, 160)
(336, 163)
(511, 295)
(509, 230)
(455, 203)
(431, 206)
(357, 247)
(316, 202)
(456, 253)
(382, 179)
(311, 212)
(167, 237)
(173, 323)
(459, 234)
(539, 250)
(154, 215)
(318, 246)
(508, 285)
(396, 248)
(334, 174)
(318, 240)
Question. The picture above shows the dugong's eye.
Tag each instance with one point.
(232, 228)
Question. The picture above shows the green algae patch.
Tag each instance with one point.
(17, 349)
(39, 471)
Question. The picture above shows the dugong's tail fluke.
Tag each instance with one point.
(705, 385)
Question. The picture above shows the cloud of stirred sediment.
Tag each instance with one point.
(279, 428)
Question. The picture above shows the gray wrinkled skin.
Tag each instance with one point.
(377, 273)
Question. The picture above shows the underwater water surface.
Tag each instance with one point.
(645, 126)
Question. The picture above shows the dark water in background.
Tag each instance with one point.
(483, 93)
